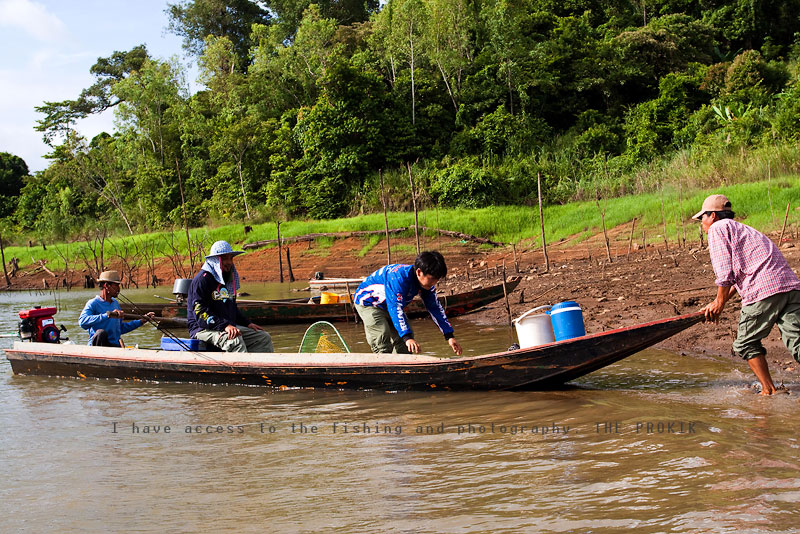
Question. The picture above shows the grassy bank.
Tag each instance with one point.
(760, 204)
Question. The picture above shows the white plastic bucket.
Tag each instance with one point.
(534, 330)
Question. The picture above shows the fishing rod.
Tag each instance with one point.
(170, 335)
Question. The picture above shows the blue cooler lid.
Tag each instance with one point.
(569, 305)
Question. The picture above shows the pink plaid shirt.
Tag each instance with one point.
(746, 258)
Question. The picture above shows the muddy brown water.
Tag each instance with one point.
(657, 443)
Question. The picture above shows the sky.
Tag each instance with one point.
(47, 48)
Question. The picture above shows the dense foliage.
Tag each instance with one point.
(304, 104)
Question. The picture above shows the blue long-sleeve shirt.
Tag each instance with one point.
(392, 288)
(94, 318)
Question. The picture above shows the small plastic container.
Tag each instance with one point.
(167, 343)
(567, 319)
(328, 298)
(534, 330)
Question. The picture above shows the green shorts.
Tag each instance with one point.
(757, 319)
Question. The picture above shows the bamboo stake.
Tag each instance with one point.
(780, 239)
(385, 222)
(541, 223)
(505, 295)
(630, 240)
(769, 194)
(516, 263)
(664, 218)
(280, 251)
(3, 254)
(289, 265)
(414, 200)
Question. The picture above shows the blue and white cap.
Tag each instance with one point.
(222, 247)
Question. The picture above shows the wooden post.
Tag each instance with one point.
(3, 254)
(505, 295)
(664, 218)
(630, 241)
(385, 222)
(350, 301)
(280, 252)
(769, 194)
(414, 201)
(780, 239)
(541, 222)
(289, 264)
(516, 263)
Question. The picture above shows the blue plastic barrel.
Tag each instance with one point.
(567, 319)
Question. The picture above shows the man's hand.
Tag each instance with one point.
(119, 314)
(713, 310)
(455, 346)
(412, 346)
(150, 315)
(254, 326)
(232, 331)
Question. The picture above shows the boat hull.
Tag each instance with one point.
(541, 367)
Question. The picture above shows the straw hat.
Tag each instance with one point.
(222, 247)
(110, 276)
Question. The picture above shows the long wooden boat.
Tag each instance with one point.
(540, 367)
(301, 311)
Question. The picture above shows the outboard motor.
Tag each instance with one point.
(181, 289)
(38, 325)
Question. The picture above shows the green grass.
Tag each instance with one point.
(508, 224)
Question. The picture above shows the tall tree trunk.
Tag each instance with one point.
(241, 181)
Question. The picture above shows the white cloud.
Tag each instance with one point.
(32, 18)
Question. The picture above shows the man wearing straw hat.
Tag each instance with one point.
(747, 261)
(102, 316)
(213, 314)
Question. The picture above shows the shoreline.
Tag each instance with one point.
(645, 284)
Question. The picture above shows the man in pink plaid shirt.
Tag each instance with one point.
(747, 261)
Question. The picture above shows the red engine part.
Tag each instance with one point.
(38, 324)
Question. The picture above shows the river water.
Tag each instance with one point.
(657, 443)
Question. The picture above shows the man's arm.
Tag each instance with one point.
(713, 310)
(88, 317)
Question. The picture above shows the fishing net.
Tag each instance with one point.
(322, 336)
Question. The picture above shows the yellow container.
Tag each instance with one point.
(328, 298)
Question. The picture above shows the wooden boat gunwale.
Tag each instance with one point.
(545, 365)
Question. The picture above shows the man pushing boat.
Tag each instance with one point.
(213, 314)
(747, 261)
(381, 298)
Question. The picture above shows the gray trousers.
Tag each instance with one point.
(249, 341)
(381, 334)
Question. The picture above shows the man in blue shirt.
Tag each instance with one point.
(381, 298)
(102, 316)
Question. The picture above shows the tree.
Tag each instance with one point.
(402, 23)
(13, 171)
(60, 116)
(448, 42)
(195, 20)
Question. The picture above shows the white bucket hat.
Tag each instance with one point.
(222, 247)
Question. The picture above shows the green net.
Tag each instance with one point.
(322, 336)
